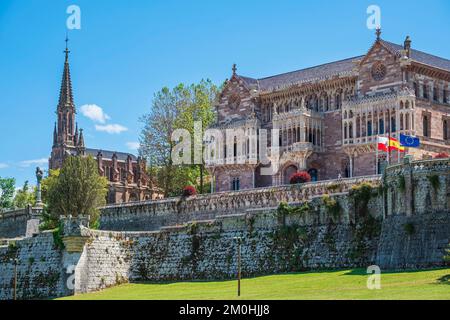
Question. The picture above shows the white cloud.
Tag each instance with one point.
(94, 112)
(133, 145)
(3, 166)
(36, 162)
(111, 128)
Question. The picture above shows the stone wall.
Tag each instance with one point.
(151, 215)
(404, 223)
(13, 224)
(39, 271)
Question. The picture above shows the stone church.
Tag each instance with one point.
(126, 173)
(329, 116)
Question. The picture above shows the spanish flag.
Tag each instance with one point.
(388, 144)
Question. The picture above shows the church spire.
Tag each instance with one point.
(65, 94)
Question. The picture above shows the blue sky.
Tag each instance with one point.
(128, 50)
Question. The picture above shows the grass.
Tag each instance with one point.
(342, 284)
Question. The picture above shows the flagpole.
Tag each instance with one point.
(376, 155)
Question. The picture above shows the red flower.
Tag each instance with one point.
(300, 177)
(189, 191)
(442, 155)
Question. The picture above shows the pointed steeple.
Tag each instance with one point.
(65, 94)
(55, 136)
(81, 140)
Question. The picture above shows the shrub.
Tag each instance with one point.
(189, 191)
(409, 228)
(442, 155)
(434, 180)
(300, 177)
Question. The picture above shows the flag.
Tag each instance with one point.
(409, 141)
(388, 144)
(394, 144)
(383, 144)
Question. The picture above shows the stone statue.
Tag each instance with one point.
(39, 176)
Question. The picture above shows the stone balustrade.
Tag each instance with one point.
(151, 215)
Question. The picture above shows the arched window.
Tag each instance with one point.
(445, 96)
(314, 174)
(350, 130)
(393, 128)
(235, 147)
(435, 94)
(416, 89)
(381, 126)
(345, 131)
(369, 128)
(425, 91)
(445, 130)
(235, 184)
(338, 101)
(401, 122)
(425, 126)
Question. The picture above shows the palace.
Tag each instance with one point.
(329, 116)
(126, 173)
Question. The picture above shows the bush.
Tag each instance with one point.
(300, 177)
(409, 228)
(442, 155)
(189, 191)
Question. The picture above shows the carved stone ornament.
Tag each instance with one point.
(378, 71)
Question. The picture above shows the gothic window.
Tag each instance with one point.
(314, 174)
(235, 184)
(338, 101)
(425, 91)
(381, 126)
(378, 71)
(445, 96)
(416, 89)
(393, 128)
(345, 131)
(425, 126)
(369, 128)
(436, 94)
(401, 122)
(235, 147)
(350, 130)
(445, 130)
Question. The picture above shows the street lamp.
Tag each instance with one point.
(239, 242)
(15, 261)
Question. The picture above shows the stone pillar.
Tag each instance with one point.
(72, 262)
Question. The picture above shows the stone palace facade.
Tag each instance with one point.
(126, 173)
(329, 116)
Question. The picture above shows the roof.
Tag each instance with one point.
(422, 57)
(337, 68)
(121, 156)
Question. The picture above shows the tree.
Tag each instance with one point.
(172, 109)
(77, 190)
(6, 192)
(25, 197)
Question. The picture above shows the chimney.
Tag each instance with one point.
(407, 46)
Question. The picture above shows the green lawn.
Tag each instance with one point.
(342, 284)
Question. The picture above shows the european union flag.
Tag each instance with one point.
(409, 141)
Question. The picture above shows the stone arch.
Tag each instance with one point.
(288, 170)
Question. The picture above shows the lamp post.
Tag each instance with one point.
(239, 241)
(15, 261)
